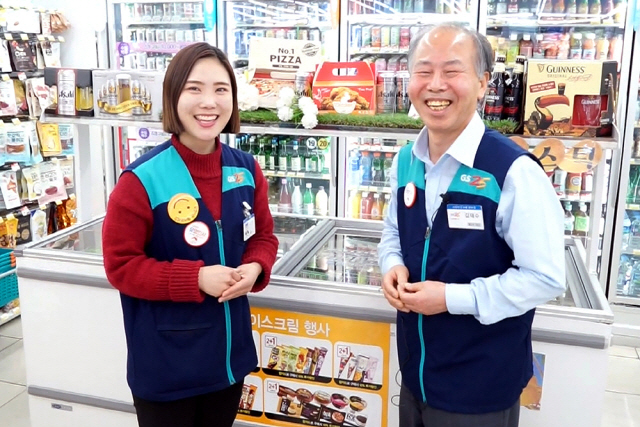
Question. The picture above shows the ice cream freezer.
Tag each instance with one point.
(324, 334)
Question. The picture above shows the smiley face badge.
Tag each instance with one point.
(183, 208)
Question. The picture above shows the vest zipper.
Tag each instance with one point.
(227, 312)
(427, 237)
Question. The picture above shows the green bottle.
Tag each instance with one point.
(282, 156)
(308, 201)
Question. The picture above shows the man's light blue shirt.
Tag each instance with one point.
(529, 219)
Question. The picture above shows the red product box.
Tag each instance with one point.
(345, 88)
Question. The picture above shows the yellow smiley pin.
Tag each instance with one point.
(183, 208)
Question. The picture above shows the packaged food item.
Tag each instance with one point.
(9, 188)
(302, 357)
(32, 177)
(8, 105)
(8, 233)
(5, 59)
(45, 22)
(67, 139)
(71, 209)
(34, 143)
(66, 165)
(23, 233)
(17, 144)
(21, 97)
(274, 357)
(53, 187)
(3, 145)
(345, 94)
(37, 96)
(49, 139)
(132, 95)
(322, 352)
(38, 225)
(62, 218)
(51, 54)
(23, 55)
(71, 91)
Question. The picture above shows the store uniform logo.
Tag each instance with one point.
(476, 181)
(237, 178)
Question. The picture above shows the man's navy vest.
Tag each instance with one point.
(453, 362)
(183, 349)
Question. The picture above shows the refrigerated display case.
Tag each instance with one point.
(148, 34)
(324, 293)
(277, 19)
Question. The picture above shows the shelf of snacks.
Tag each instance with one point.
(9, 312)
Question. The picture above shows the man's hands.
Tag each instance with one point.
(427, 297)
(226, 283)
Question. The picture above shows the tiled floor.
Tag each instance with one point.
(622, 397)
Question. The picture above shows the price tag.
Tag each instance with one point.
(72, 196)
(10, 217)
(6, 77)
(272, 386)
(323, 143)
(15, 167)
(22, 76)
(51, 38)
(24, 37)
(8, 37)
(270, 341)
(25, 211)
(60, 39)
(15, 121)
(343, 351)
(41, 37)
(43, 207)
(58, 202)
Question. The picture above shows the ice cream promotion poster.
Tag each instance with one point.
(256, 342)
(293, 357)
(321, 405)
(251, 400)
(532, 393)
(358, 366)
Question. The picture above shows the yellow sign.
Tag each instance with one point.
(323, 143)
(582, 157)
(317, 371)
(550, 152)
(520, 141)
(183, 208)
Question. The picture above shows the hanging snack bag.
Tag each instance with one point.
(66, 165)
(5, 58)
(52, 183)
(32, 177)
(8, 106)
(34, 143)
(17, 144)
(9, 188)
(21, 98)
(3, 145)
(67, 139)
(49, 139)
(71, 206)
(38, 225)
(8, 232)
(23, 235)
(23, 55)
(51, 54)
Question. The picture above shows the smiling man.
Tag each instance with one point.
(472, 243)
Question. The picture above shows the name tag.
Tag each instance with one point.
(249, 227)
(467, 217)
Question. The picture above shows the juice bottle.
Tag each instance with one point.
(376, 211)
(587, 185)
(538, 47)
(307, 200)
(526, 46)
(296, 200)
(568, 219)
(581, 226)
(366, 173)
(576, 46)
(365, 206)
(284, 202)
(354, 204)
(513, 49)
(589, 46)
(602, 47)
(322, 202)
(387, 201)
(388, 163)
(574, 184)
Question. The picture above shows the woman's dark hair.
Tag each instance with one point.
(176, 77)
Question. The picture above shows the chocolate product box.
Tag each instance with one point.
(131, 95)
(345, 88)
(71, 91)
(570, 98)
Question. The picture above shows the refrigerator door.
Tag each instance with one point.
(146, 36)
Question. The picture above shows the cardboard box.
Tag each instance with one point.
(71, 91)
(345, 88)
(570, 98)
(131, 95)
(273, 64)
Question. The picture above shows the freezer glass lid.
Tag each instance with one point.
(87, 240)
(345, 258)
(289, 231)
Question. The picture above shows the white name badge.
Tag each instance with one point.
(467, 217)
(249, 227)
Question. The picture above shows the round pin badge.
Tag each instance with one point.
(183, 208)
(197, 234)
(410, 194)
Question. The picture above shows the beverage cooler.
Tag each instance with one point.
(324, 299)
(146, 35)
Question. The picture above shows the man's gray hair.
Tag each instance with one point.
(484, 51)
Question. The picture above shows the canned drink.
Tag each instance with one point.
(151, 63)
(141, 35)
(151, 35)
(394, 38)
(198, 35)
(303, 34)
(405, 37)
(147, 12)
(280, 34)
(188, 12)
(303, 83)
(402, 84)
(139, 12)
(376, 37)
(167, 11)
(198, 14)
(67, 92)
(270, 34)
(386, 92)
(292, 34)
(188, 36)
(158, 13)
(366, 37)
(160, 35)
(160, 63)
(385, 37)
(178, 11)
(356, 37)
(170, 35)
(179, 36)
(381, 64)
(314, 35)
(142, 60)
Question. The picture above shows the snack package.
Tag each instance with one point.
(66, 165)
(21, 98)
(5, 58)
(53, 188)
(34, 143)
(49, 139)
(23, 55)
(17, 144)
(39, 57)
(8, 232)
(23, 234)
(67, 143)
(8, 106)
(51, 54)
(9, 188)
(38, 225)
(45, 22)
(3, 145)
(71, 207)
(33, 186)
(41, 92)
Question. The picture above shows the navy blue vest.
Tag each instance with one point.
(453, 362)
(183, 349)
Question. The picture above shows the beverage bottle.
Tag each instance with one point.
(634, 235)
(576, 46)
(568, 219)
(322, 167)
(376, 210)
(607, 6)
(284, 202)
(563, 47)
(634, 285)
(513, 49)
(538, 47)
(308, 200)
(589, 46)
(571, 8)
(354, 167)
(296, 200)
(548, 7)
(378, 172)
(322, 202)
(558, 6)
(365, 206)
(418, 6)
(354, 204)
(243, 143)
(494, 98)
(632, 188)
(262, 156)
(587, 186)
(574, 184)
(273, 156)
(526, 46)
(366, 173)
(581, 225)
(622, 273)
(282, 156)
(308, 161)
(583, 7)
(491, 7)
(296, 161)
(501, 7)
(621, 7)
(602, 47)
(626, 231)
(254, 146)
(513, 93)
(595, 8)
(387, 201)
(388, 164)
(512, 6)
